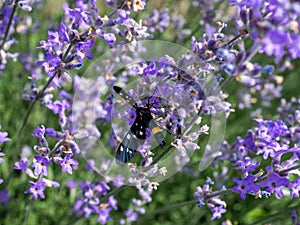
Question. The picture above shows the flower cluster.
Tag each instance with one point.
(61, 155)
(215, 204)
(89, 202)
(3, 138)
(272, 25)
(270, 140)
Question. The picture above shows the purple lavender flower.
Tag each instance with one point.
(245, 186)
(158, 21)
(4, 196)
(24, 5)
(295, 188)
(1, 155)
(39, 131)
(89, 203)
(113, 202)
(67, 164)
(244, 145)
(118, 181)
(50, 64)
(294, 218)
(217, 212)
(273, 43)
(41, 165)
(131, 215)
(21, 165)
(103, 215)
(36, 189)
(248, 165)
(275, 184)
(59, 37)
(110, 38)
(3, 137)
(83, 50)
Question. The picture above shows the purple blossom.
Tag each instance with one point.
(110, 38)
(295, 188)
(39, 131)
(56, 107)
(4, 196)
(118, 181)
(102, 188)
(72, 184)
(131, 215)
(1, 155)
(244, 145)
(89, 203)
(217, 212)
(67, 164)
(113, 202)
(22, 164)
(245, 186)
(50, 64)
(36, 189)
(275, 184)
(41, 165)
(59, 37)
(130, 116)
(83, 50)
(294, 218)
(3, 137)
(24, 5)
(103, 215)
(158, 21)
(123, 17)
(248, 165)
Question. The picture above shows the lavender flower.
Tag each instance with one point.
(215, 204)
(3, 137)
(275, 184)
(245, 186)
(36, 189)
(295, 188)
(67, 164)
(4, 196)
(89, 202)
(41, 165)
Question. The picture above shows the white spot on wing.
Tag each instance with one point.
(141, 132)
(121, 148)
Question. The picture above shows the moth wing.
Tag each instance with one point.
(127, 149)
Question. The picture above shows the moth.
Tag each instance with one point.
(136, 136)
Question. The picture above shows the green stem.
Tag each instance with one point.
(8, 25)
(168, 208)
(119, 7)
(115, 191)
(44, 89)
(32, 104)
(282, 213)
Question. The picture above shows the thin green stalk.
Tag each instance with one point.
(119, 7)
(115, 191)
(282, 213)
(8, 25)
(43, 90)
(32, 104)
(168, 208)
